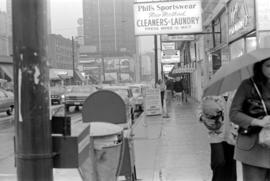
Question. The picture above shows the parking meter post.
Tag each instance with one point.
(33, 141)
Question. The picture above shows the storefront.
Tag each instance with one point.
(241, 33)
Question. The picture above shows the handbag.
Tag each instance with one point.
(264, 135)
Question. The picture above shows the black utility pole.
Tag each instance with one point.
(156, 58)
(73, 57)
(33, 142)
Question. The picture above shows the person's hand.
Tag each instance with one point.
(265, 122)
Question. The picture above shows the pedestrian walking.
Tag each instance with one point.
(178, 89)
(169, 85)
(161, 85)
(185, 90)
(247, 112)
(222, 134)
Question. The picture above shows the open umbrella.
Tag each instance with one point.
(230, 75)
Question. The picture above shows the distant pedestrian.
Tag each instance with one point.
(178, 89)
(162, 87)
(222, 134)
(185, 90)
(247, 111)
(169, 85)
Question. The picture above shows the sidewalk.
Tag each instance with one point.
(174, 148)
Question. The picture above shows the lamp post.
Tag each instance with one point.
(73, 56)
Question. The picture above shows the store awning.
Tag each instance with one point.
(8, 70)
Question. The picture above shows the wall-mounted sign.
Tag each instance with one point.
(263, 16)
(168, 45)
(175, 17)
(167, 67)
(241, 18)
(177, 37)
(170, 56)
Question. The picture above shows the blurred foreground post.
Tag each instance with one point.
(33, 142)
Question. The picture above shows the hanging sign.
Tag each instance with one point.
(177, 37)
(168, 45)
(175, 17)
(170, 56)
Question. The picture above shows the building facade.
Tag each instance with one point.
(108, 25)
(3, 34)
(231, 28)
(62, 57)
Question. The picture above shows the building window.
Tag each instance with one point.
(264, 39)
(216, 32)
(237, 48)
(216, 60)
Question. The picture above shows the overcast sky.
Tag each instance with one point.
(64, 16)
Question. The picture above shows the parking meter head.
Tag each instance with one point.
(104, 106)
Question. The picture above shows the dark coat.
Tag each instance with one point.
(178, 86)
(247, 149)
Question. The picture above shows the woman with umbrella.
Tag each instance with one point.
(247, 112)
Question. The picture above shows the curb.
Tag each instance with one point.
(6, 122)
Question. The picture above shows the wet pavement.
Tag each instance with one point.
(174, 148)
(166, 149)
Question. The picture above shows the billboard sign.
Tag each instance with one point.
(174, 17)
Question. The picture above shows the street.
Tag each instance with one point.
(7, 169)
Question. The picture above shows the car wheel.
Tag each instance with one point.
(10, 110)
(67, 108)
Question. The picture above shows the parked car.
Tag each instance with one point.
(126, 94)
(6, 101)
(76, 95)
(57, 94)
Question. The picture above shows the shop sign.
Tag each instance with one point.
(167, 68)
(175, 17)
(177, 37)
(168, 45)
(263, 15)
(170, 56)
(241, 18)
(189, 68)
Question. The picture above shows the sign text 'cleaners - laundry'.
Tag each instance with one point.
(176, 17)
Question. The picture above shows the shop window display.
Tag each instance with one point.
(237, 48)
(264, 39)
